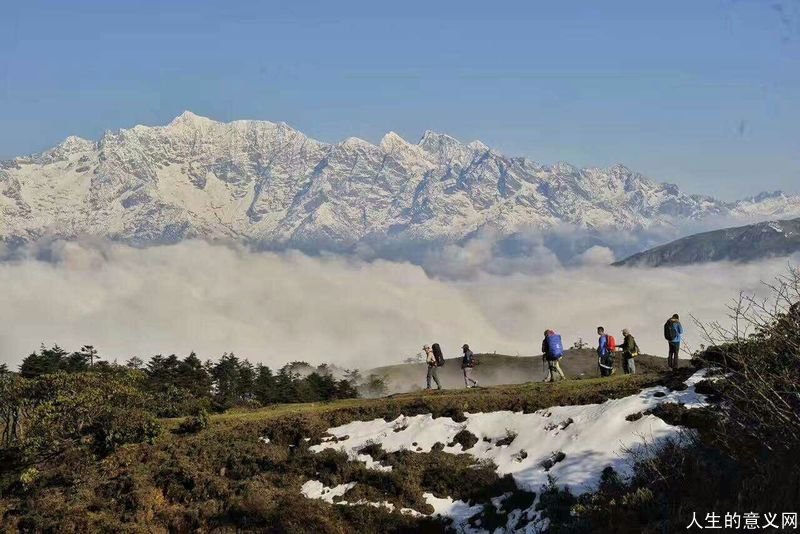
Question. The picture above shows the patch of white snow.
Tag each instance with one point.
(314, 489)
(571, 444)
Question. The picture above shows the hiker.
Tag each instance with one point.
(605, 352)
(630, 350)
(467, 363)
(433, 371)
(673, 333)
(552, 351)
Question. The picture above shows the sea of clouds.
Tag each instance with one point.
(276, 307)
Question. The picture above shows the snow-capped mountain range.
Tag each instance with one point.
(266, 182)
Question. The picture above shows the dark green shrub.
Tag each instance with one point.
(465, 438)
(63, 410)
(195, 423)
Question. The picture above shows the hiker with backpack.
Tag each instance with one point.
(467, 363)
(606, 345)
(673, 333)
(433, 365)
(630, 350)
(552, 351)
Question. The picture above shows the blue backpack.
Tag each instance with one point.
(554, 347)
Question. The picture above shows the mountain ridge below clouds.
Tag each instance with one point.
(740, 244)
(267, 183)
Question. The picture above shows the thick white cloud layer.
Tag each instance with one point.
(280, 307)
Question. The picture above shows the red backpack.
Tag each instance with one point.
(611, 343)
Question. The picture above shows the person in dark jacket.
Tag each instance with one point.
(553, 366)
(467, 363)
(674, 341)
(605, 358)
(629, 350)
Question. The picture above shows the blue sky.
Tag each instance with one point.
(705, 94)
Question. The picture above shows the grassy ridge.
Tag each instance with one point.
(526, 397)
(497, 369)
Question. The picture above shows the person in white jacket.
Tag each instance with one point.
(433, 367)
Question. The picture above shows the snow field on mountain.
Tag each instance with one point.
(571, 444)
(264, 181)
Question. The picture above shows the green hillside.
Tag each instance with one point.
(224, 478)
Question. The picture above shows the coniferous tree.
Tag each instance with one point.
(226, 380)
(246, 382)
(89, 353)
(285, 386)
(46, 361)
(135, 363)
(264, 387)
(320, 387)
(179, 387)
(193, 377)
(345, 389)
(162, 372)
(74, 362)
(353, 376)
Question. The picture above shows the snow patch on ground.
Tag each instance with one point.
(597, 436)
(314, 489)
(458, 511)
(572, 444)
(369, 462)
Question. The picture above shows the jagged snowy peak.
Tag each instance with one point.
(448, 150)
(775, 204)
(267, 182)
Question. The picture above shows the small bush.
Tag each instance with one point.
(465, 438)
(555, 504)
(122, 426)
(195, 423)
(521, 455)
(29, 477)
(508, 439)
(554, 458)
(375, 451)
